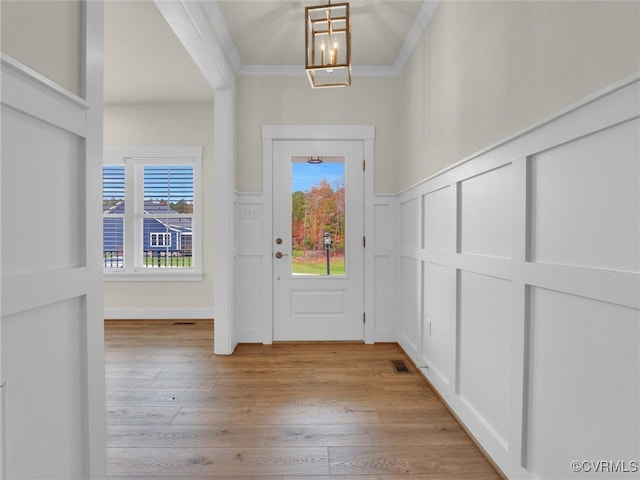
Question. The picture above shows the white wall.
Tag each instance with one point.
(519, 265)
(253, 254)
(253, 318)
(52, 347)
(485, 70)
(165, 125)
(290, 100)
(520, 290)
(47, 37)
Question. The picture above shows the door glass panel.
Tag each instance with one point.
(318, 216)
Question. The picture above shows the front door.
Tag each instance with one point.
(318, 251)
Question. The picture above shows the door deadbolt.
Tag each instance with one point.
(279, 241)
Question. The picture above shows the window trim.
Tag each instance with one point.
(160, 235)
(131, 158)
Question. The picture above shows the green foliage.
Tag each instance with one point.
(169, 261)
(319, 267)
(182, 206)
(298, 206)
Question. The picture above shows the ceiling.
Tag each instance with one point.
(145, 62)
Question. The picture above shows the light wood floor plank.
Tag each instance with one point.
(191, 436)
(367, 435)
(131, 372)
(403, 460)
(161, 385)
(278, 414)
(289, 411)
(436, 476)
(160, 462)
(131, 415)
(425, 476)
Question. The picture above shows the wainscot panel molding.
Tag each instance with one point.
(249, 258)
(52, 342)
(381, 261)
(252, 260)
(519, 288)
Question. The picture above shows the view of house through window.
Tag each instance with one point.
(167, 215)
(148, 220)
(318, 217)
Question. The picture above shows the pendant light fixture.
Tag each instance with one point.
(328, 45)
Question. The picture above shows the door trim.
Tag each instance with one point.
(272, 133)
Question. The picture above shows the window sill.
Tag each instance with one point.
(154, 276)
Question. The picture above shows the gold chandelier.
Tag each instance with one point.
(328, 45)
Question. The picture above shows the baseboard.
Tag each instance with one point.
(250, 336)
(455, 415)
(157, 313)
(385, 336)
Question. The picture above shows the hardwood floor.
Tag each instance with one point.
(286, 411)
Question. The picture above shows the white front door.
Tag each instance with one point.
(318, 198)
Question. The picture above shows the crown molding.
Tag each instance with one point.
(271, 70)
(218, 23)
(423, 18)
(298, 71)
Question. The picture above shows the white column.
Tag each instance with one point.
(2, 462)
(223, 237)
(93, 66)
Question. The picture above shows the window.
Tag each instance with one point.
(160, 239)
(151, 213)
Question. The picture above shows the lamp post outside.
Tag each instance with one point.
(327, 245)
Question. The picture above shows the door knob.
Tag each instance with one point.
(280, 254)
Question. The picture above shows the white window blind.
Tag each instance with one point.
(113, 198)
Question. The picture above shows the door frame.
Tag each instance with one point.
(339, 315)
(273, 133)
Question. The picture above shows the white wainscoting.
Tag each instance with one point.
(252, 309)
(52, 326)
(519, 289)
(44, 275)
(381, 255)
(249, 268)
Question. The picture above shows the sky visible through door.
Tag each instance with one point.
(318, 217)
